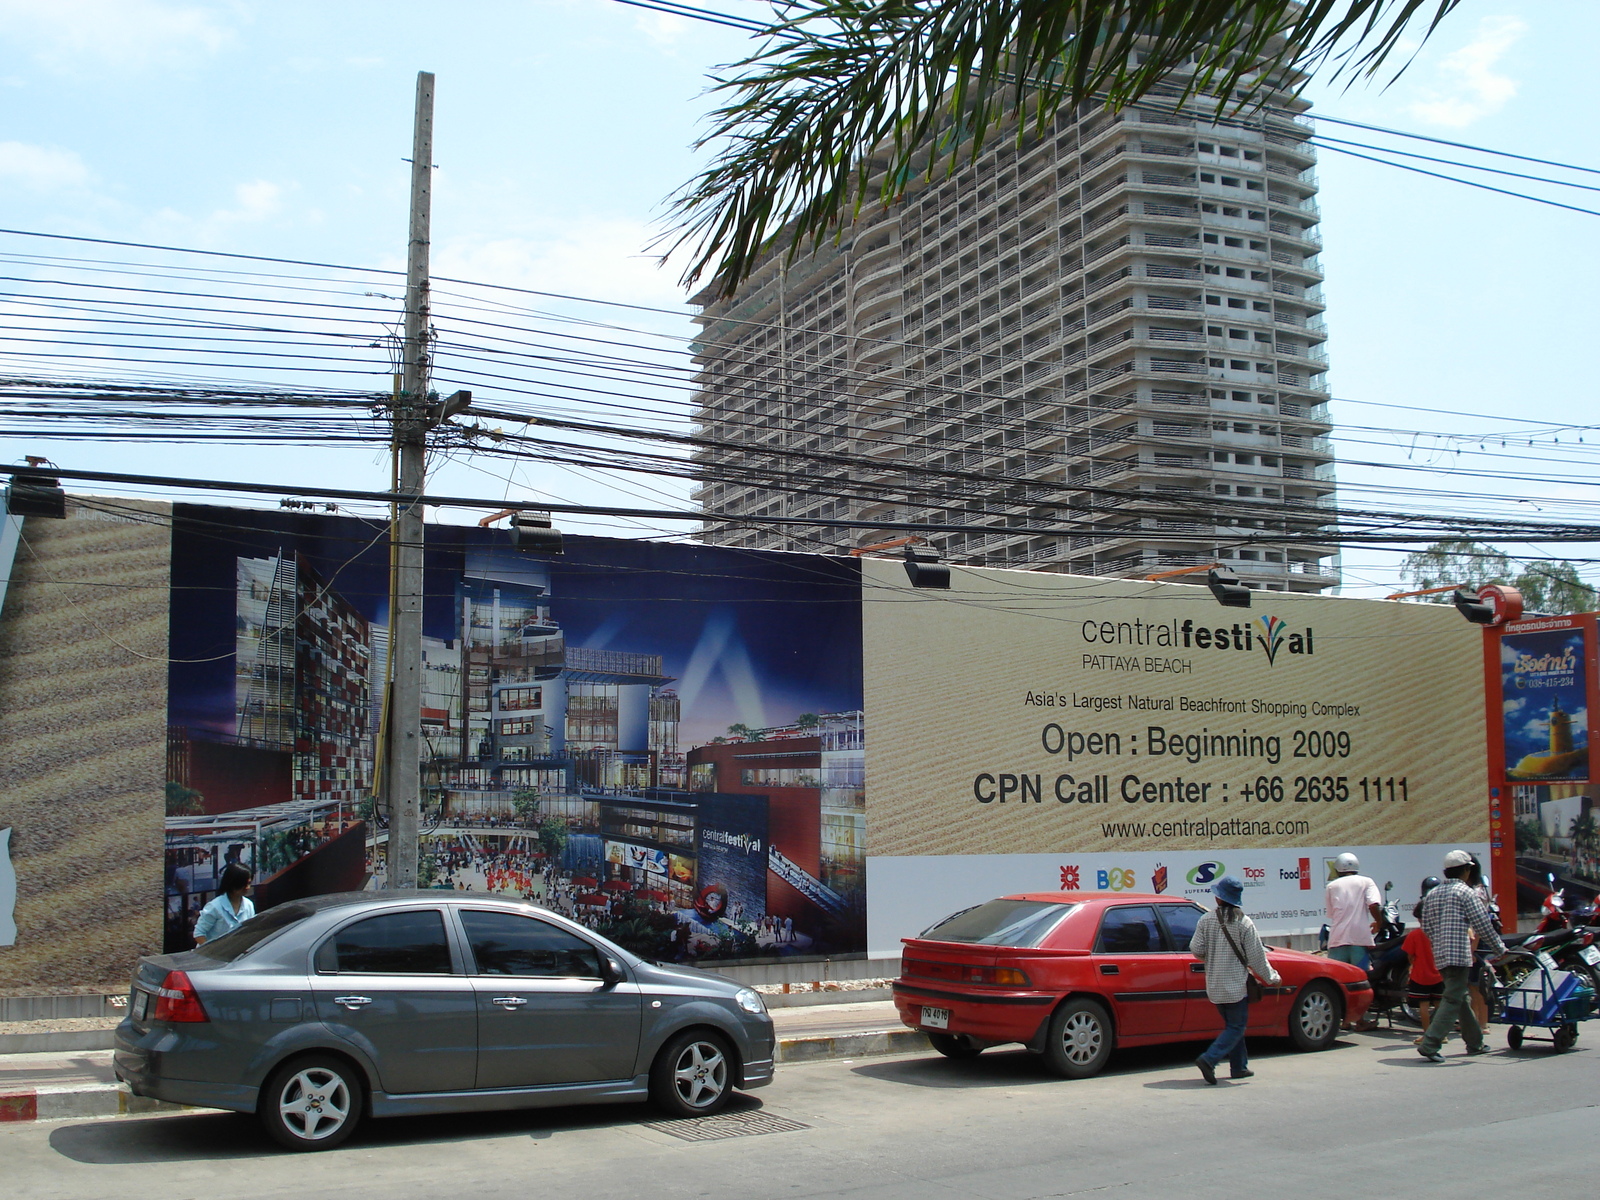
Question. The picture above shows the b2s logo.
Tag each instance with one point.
(1206, 872)
(1114, 879)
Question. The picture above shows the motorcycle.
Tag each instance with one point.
(1569, 944)
(1389, 969)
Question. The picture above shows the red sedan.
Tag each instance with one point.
(1073, 976)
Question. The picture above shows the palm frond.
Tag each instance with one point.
(847, 101)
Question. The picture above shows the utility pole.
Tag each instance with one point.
(402, 774)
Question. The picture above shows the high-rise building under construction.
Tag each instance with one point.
(1101, 342)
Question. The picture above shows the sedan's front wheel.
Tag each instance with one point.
(1079, 1042)
(312, 1103)
(693, 1075)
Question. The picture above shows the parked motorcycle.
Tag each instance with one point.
(1389, 969)
(1570, 945)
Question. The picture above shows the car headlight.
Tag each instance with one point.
(751, 1001)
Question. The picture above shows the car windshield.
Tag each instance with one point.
(1001, 923)
(246, 937)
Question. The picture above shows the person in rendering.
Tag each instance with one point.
(231, 907)
(1355, 907)
(1226, 941)
(1450, 914)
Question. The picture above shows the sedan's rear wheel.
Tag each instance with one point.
(693, 1075)
(1080, 1039)
(955, 1045)
(312, 1103)
(1314, 1019)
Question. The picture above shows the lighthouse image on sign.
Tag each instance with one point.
(1561, 760)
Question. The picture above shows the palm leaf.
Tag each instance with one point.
(847, 101)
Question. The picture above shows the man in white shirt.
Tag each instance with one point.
(1355, 907)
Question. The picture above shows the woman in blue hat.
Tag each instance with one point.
(1226, 941)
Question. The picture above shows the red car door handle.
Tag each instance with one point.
(1198, 968)
(1109, 969)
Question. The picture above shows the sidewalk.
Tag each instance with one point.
(59, 1085)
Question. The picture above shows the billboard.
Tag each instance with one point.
(1540, 686)
(718, 755)
(1053, 733)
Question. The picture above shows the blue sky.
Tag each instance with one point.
(561, 124)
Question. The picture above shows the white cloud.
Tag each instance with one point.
(254, 201)
(74, 34)
(663, 29)
(41, 168)
(1469, 88)
(597, 258)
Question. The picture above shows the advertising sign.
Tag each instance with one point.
(643, 858)
(1116, 735)
(731, 844)
(1540, 686)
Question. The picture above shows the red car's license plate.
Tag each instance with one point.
(935, 1018)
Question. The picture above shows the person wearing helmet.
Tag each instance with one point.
(1355, 908)
(1450, 914)
(1424, 985)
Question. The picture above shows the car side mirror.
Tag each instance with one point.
(611, 971)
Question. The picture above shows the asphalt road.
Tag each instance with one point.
(1365, 1118)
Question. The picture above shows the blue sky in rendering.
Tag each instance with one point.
(561, 124)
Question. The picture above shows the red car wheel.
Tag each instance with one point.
(1080, 1039)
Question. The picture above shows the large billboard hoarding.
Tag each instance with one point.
(1054, 733)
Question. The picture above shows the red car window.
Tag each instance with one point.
(1180, 920)
(1129, 929)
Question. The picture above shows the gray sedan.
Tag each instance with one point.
(386, 1003)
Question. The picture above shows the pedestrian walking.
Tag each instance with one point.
(1226, 941)
(1355, 907)
(230, 909)
(1450, 914)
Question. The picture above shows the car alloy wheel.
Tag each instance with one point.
(312, 1103)
(1080, 1039)
(1314, 1020)
(692, 1076)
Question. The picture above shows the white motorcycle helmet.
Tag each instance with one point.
(1346, 864)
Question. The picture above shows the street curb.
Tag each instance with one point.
(852, 1045)
(87, 1100)
(58, 1042)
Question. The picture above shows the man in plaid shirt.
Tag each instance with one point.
(1449, 914)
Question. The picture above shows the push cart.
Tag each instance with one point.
(1534, 993)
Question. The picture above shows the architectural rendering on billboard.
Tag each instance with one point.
(565, 700)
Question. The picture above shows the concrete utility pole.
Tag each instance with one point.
(402, 774)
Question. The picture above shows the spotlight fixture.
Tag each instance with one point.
(925, 570)
(1225, 586)
(1493, 604)
(533, 531)
(35, 494)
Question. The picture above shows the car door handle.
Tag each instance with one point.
(510, 1002)
(352, 1002)
(1197, 968)
(1109, 969)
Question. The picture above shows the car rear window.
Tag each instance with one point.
(1001, 923)
(247, 936)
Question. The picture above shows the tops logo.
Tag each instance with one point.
(1206, 872)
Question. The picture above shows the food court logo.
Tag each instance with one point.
(1205, 874)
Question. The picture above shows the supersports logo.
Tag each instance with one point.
(1273, 636)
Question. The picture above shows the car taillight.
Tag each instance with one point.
(1001, 975)
(176, 1000)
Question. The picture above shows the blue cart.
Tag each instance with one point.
(1534, 993)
